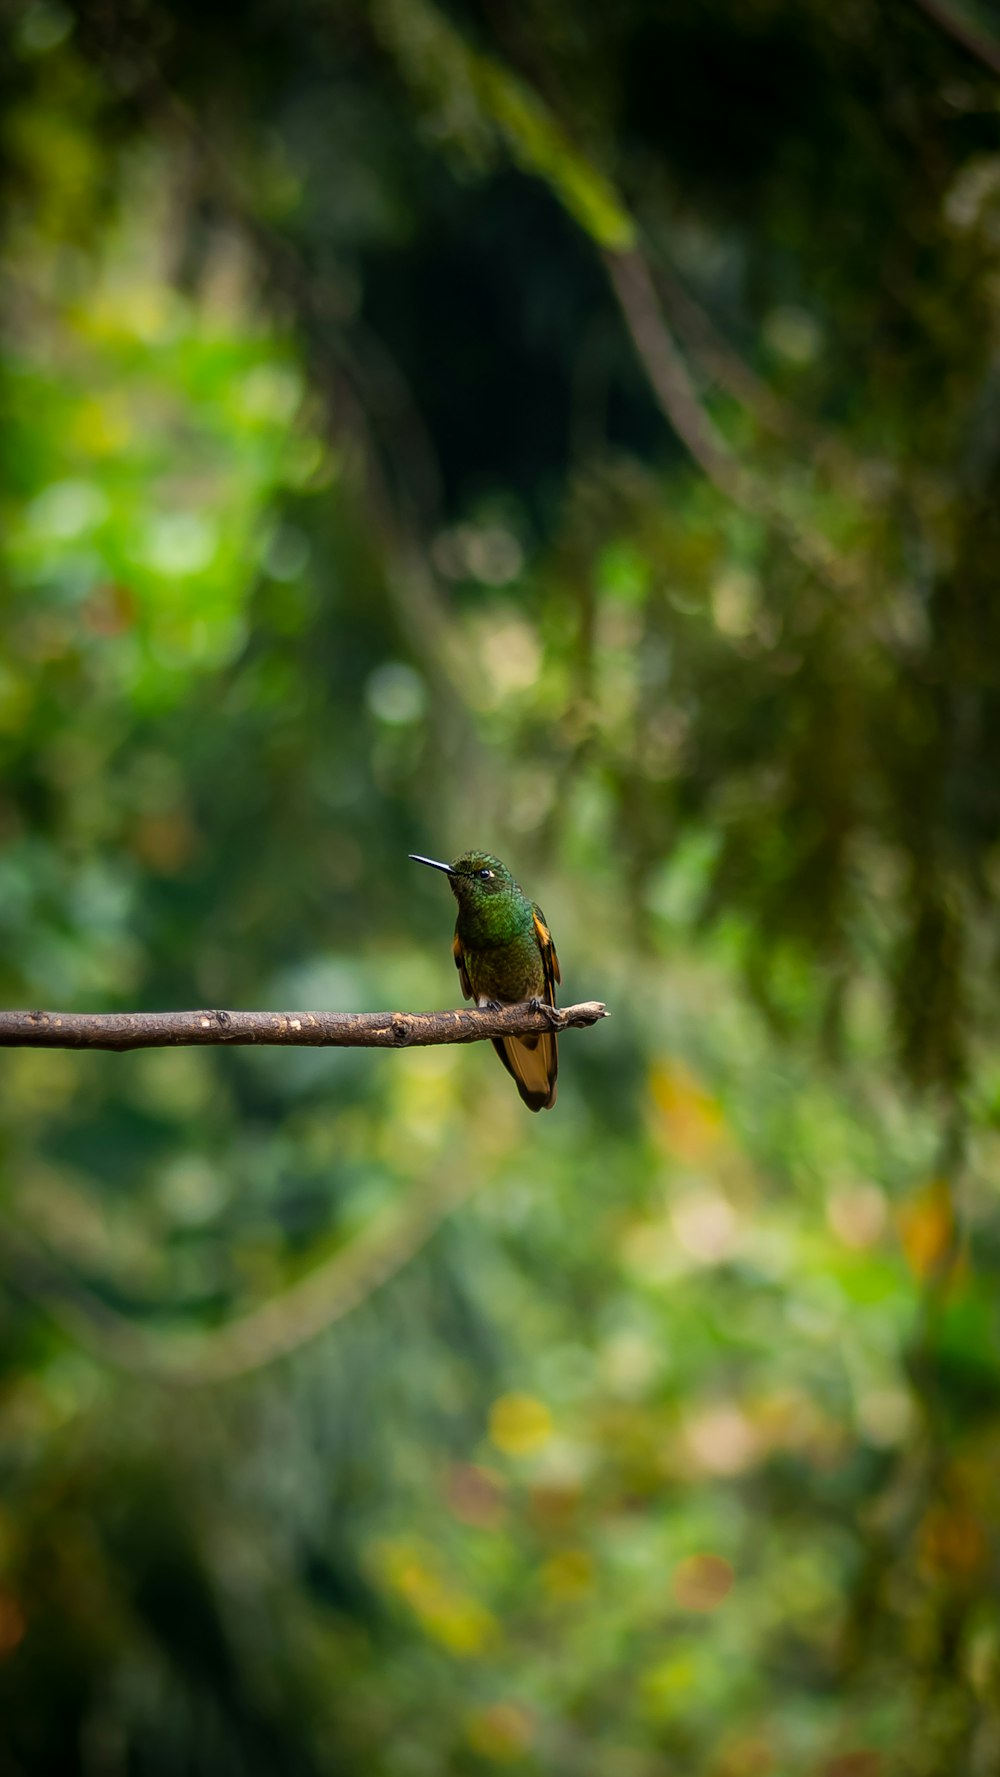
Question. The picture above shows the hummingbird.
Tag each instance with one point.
(504, 955)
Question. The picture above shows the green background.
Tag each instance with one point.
(573, 432)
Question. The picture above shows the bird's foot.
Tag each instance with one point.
(551, 1012)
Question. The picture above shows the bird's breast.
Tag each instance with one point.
(507, 972)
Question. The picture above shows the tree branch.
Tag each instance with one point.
(983, 49)
(313, 1030)
(675, 392)
(255, 1338)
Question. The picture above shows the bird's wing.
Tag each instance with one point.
(463, 973)
(534, 1061)
(550, 961)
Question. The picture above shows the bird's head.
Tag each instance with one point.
(474, 877)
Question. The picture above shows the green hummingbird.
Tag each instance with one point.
(504, 955)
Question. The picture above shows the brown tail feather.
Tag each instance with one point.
(533, 1063)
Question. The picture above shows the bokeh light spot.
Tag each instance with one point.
(180, 543)
(475, 1495)
(396, 694)
(857, 1214)
(520, 1424)
(706, 1225)
(721, 1439)
(702, 1582)
(691, 1119)
(501, 1732)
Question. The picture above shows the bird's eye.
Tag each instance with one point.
(484, 875)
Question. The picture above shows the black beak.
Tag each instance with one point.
(433, 862)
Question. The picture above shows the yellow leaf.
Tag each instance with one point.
(519, 1424)
(460, 1623)
(691, 1119)
(927, 1228)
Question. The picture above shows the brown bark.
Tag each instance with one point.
(341, 1030)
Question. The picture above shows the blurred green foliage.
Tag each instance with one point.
(352, 1421)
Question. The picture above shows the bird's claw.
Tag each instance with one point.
(550, 1012)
